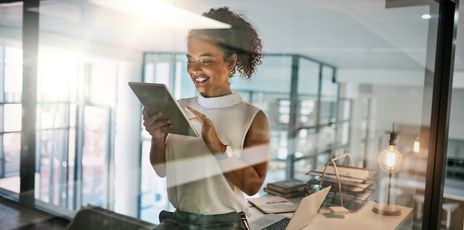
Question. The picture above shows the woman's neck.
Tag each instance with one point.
(218, 93)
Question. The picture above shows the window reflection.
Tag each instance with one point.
(10, 117)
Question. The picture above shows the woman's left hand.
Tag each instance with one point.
(208, 132)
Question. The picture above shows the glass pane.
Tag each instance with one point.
(53, 85)
(52, 180)
(1, 118)
(11, 81)
(13, 75)
(11, 148)
(12, 117)
(453, 190)
(329, 85)
(273, 77)
(52, 116)
(94, 156)
(308, 77)
(158, 68)
(103, 83)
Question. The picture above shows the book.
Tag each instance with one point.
(286, 186)
(285, 195)
(363, 196)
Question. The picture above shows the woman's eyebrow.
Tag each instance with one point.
(201, 55)
(206, 55)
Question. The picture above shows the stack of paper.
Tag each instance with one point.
(286, 188)
(356, 185)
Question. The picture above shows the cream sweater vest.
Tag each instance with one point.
(195, 180)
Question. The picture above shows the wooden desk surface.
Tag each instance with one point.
(363, 219)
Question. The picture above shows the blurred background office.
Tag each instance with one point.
(335, 76)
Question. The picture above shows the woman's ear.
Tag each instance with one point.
(232, 62)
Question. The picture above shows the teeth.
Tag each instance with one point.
(200, 79)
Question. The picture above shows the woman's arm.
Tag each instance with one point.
(249, 172)
(255, 158)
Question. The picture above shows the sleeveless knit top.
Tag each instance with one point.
(195, 180)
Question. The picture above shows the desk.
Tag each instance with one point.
(362, 219)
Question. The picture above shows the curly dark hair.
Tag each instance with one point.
(242, 39)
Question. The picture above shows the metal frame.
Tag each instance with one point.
(29, 101)
(442, 88)
(292, 122)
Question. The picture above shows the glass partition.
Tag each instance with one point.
(337, 77)
(453, 187)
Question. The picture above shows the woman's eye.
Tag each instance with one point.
(206, 62)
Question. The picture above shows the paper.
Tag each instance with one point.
(273, 204)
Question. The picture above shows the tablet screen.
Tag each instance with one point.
(159, 99)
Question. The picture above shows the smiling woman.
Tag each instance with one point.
(208, 176)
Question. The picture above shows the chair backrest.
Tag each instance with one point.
(91, 217)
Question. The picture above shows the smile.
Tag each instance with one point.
(200, 80)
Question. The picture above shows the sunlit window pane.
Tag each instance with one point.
(56, 76)
(13, 56)
(94, 167)
(52, 116)
(11, 151)
(12, 115)
(13, 82)
(103, 84)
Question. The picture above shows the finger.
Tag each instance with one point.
(166, 128)
(162, 123)
(151, 120)
(157, 125)
(155, 116)
(162, 128)
(196, 113)
(145, 111)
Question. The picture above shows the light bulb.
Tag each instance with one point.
(390, 160)
(416, 146)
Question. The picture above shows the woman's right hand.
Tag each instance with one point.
(158, 129)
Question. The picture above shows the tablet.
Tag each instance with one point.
(159, 99)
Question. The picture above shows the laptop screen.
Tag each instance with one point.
(307, 209)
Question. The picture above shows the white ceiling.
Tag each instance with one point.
(359, 34)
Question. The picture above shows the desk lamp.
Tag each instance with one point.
(390, 161)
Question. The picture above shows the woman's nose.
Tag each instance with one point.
(194, 67)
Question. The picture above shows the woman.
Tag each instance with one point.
(208, 176)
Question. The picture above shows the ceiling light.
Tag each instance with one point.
(426, 16)
(157, 11)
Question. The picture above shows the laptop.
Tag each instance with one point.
(304, 214)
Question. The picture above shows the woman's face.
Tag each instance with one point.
(207, 67)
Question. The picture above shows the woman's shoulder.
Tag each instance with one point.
(251, 107)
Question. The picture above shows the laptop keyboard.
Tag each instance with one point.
(279, 225)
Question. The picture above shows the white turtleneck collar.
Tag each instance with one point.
(219, 102)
